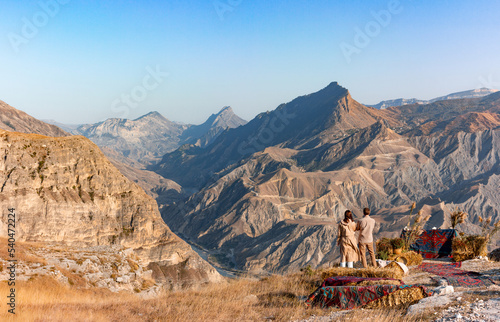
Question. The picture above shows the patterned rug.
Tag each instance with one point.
(456, 277)
(350, 297)
(346, 280)
(434, 243)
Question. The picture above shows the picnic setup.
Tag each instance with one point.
(440, 255)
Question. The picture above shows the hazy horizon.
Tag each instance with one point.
(52, 121)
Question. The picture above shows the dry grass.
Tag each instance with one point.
(275, 297)
(388, 271)
(44, 299)
(408, 258)
(468, 247)
(73, 279)
(22, 252)
(401, 297)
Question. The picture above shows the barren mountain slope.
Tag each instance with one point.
(306, 122)
(163, 190)
(204, 134)
(273, 210)
(470, 122)
(144, 140)
(65, 191)
(249, 207)
(15, 120)
(424, 119)
(475, 93)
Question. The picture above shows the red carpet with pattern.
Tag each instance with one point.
(334, 293)
(456, 277)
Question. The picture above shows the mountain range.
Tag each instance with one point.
(145, 140)
(266, 196)
(475, 93)
(271, 191)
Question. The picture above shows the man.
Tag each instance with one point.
(365, 227)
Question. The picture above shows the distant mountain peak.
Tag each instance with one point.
(225, 118)
(473, 93)
(334, 89)
(153, 114)
(226, 109)
(203, 134)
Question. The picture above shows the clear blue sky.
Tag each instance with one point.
(83, 56)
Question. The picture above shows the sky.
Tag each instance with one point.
(78, 61)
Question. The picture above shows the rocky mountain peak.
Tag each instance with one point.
(204, 134)
(152, 115)
(335, 87)
(225, 118)
(332, 92)
(226, 109)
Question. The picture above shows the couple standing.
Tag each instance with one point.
(349, 249)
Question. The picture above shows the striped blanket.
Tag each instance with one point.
(334, 293)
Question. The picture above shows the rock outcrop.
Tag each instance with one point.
(66, 191)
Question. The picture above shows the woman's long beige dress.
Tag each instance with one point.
(347, 242)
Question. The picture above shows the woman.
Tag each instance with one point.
(347, 241)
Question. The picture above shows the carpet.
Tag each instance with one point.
(434, 243)
(456, 277)
(350, 297)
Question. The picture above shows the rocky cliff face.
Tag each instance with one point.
(65, 191)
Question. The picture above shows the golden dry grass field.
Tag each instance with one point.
(277, 298)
